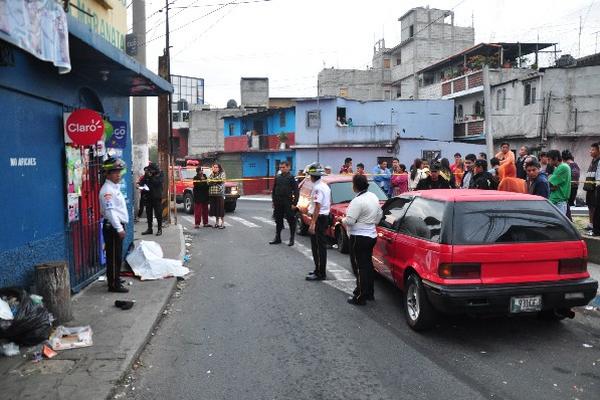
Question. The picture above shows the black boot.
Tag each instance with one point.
(292, 235)
(147, 232)
(277, 239)
(159, 232)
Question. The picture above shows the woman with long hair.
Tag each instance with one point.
(446, 173)
(416, 174)
(216, 195)
(399, 179)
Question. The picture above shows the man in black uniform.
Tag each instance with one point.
(434, 180)
(482, 179)
(154, 180)
(285, 198)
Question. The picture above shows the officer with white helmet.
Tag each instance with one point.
(320, 202)
(116, 218)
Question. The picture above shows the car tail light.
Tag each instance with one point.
(459, 271)
(572, 265)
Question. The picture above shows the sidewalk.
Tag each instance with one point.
(91, 373)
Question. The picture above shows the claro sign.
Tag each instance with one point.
(83, 127)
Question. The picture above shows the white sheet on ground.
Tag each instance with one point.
(147, 262)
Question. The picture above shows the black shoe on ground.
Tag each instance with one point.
(315, 278)
(310, 273)
(291, 242)
(275, 241)
(353, 300)
(370, 298)
(147, 232)
(118, 289)
(159, 232)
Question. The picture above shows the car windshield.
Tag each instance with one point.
(188, 173)
(341, 192)
(486, 222)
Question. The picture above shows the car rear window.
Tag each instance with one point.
(484, 222)
(341, 192)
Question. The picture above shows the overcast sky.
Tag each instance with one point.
(290, 41)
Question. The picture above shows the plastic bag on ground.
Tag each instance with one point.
(64, 338)
(147, 262)
(31, 324)
(5, 312)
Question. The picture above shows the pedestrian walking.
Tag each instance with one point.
(114, 224)
(537, 182)
(285, 197)
(200, 199)
(560, 181)
(434, 180)
(320, 201)
(154, 180)
(590, 185)
(216, 195)
(362, 215)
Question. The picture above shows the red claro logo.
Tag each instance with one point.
(85, 127)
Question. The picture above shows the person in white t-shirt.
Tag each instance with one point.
(362, 215)
(320, 201)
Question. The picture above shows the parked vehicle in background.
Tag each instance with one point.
(184, 186)
(341, 195)
(479, 251)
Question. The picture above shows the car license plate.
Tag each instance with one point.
(525, 304)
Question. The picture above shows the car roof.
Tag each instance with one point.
(336, 178)
(460, 195)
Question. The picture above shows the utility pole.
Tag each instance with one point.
(596, 45)
(579, 40)
(487, 109)
(139, 122)
(319, 124)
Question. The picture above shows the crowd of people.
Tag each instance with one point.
(553, 175)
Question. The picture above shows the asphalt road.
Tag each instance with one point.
(248, 326)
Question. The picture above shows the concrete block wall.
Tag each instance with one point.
(206, 130)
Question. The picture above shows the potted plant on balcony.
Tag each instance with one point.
(283, 138)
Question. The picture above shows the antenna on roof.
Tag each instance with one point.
(472, 19)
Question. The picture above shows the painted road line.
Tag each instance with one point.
(265, 220)
(244, 222)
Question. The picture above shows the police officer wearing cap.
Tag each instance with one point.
(320, 201)
(116, 218)
(285, 198)
(154, 180)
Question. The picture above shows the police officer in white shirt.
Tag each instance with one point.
(362, 215)
(114, 210)
(319, 211)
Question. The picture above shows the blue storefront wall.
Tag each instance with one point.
(272, 122)
(33, 98)
(264, 164)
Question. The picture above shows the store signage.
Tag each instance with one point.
(84, 127)
(118, 140)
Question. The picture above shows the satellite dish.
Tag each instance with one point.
(232, 104)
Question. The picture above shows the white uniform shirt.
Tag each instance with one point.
(363, 214)
(113, 206)
(321, 193)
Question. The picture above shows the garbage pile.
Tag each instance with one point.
(23, 318)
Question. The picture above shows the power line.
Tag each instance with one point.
(221, 4)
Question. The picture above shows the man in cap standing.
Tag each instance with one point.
(285, 198)
(320, 201)
(116, 218)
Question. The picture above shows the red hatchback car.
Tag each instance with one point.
(475, 251)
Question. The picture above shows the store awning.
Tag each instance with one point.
(96, 60)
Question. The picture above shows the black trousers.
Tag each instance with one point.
(113, 245)
(143, 202)
(361, 252)
(283, 209)
(596, 220)
(154, 206)
(318, 244)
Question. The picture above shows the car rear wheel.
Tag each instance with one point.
(230, 206)
(419, 312)
(342, 241)
(188, 203)
(301, 227)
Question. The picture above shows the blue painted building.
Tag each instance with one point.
(261, 140)
(368, 131)
(40, 222)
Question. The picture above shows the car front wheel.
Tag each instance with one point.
(342, 240)
(188, 203)
(230, 206)
(301, 227)
(419, 312)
